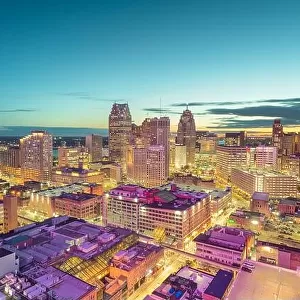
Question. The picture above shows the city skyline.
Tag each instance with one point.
(234, 64)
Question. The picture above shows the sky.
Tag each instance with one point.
(63, 63)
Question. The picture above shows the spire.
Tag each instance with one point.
(187, 106)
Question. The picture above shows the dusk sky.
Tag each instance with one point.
(63, 63)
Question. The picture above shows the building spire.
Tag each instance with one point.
(187, 106)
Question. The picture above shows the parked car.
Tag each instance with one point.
(246, 269)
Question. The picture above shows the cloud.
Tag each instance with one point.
(291, 112)
(88, 96)
(283, 102)
(17, 110)
(74, 94)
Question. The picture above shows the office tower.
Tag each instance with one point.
(235, 139)
(186, 135)
(277, 135)
(289, 143)
(206, 142)
(36, 156)
(94, 144)
(119, 133)
(159, 131)
(227, 159)
(70, 157)
(266, 157)
(10, 207)
(146, 166)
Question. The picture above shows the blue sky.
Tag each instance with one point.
(63, 63)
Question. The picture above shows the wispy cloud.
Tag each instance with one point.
(88, 96)
(18, 110)
(283, 102)
(158, 110)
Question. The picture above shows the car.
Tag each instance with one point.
(246, 269)
(249, 265)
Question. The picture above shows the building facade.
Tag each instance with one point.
(277, 185)
(235, 139)
(277, 135)
(10, 209)
(73, 157)
(225, 245)
(120, 132)
(186, 135)
(78, 205)
(227, 159)
(94, 143)
(146, 166)
(36, 156)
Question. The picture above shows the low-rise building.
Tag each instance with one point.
(249, 220)
(75, 175)
(42, 201)
(278, 254)
(9, 262)
(136, 263)
(225, 245)
(289, 206)
(189, 283)
(219, 201)
(77, 205)
(47, 283)
(260, 203)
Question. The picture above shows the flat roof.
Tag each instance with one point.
(4, 252)
(219, 284)
(225, 237)
(265, 282)
(289, 201)
(77, 196)
(260, 196)
(70, 233)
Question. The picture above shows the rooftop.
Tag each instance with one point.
(4, 252)
(260, 196)
(226, 237)
(133, 256)
(77, 196)
(55, 192)
(290, 201)
(219, 284)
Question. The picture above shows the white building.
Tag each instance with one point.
(225, 245)
(9, 262)
(266, 157)
(276, 184)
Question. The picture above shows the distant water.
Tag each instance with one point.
(20, 131)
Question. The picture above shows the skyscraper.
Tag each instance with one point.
(94, 143)
(277, 135)
(119, 133)
(235, 139)
(36, 156)
(159, 131)
(186, 135)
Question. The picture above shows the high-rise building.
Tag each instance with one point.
(146, 166)
(235, 139)
(266, 157)
(277, 135)
(186, 135)
(180, 156)
(119, 133)
(73, 157)
(227, 159)
(94, 144)
(289, 143)
(36, 156)
(10, 207)
(159, 135)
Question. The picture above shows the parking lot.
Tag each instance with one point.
(266, 283)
